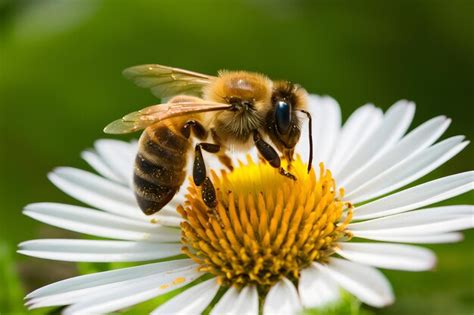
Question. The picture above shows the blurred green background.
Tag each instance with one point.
(61, 83)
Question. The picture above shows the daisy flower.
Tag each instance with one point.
(272, 245)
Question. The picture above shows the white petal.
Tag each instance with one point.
(326, 114)
(97, 251)
(419, 239)
(98, 223)
(316, 289)
(134, 145)
(96, 191)
(134, 292)
(244, 302)
(358, 127)
(72, 290)
(247, 304)
(282, 299)
(395, 123)
(409, 170)
(390, 256)
(366, 283)
(417, 197)
(414, 142)
(226, 303)
(119, 156)
(420, 222)
(192, 301)
(443, 226)
(100, 166)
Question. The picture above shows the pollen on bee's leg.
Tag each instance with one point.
(208, 193)
(264, 226)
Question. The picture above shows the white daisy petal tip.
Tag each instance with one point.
(459, 237)
(56, 171)
(404, 106)
(26, 210)
(87, 153)
(446, 121)
(404, 103)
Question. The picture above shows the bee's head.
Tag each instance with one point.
(283, 125)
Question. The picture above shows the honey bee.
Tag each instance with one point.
(235, 109)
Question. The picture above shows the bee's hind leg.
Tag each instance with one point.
(198, 130)
(200, 177)
(199, 167)
(270, 155)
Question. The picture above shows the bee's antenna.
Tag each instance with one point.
(310, 138)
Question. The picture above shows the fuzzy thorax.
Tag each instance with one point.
(250, 93)
(265, 226)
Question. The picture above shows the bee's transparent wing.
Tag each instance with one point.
(143, 118)
(165, 82)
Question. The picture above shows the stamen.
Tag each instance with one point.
(265, 226)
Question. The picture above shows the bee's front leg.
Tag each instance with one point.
(270, 154)
(288, 154)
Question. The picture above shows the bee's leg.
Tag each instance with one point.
(200, 177)
(289, 158)
(270, 154)
(198, 130)
(208, 193)
(222, 155)
(199, 167)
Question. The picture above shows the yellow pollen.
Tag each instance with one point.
(178, 280)
(265, 226)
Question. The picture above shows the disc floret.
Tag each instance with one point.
(265, 226)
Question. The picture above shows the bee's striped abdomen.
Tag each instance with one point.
(159, 167)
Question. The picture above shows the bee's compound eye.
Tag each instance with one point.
(283, 116)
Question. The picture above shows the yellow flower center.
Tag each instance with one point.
(265, 225)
